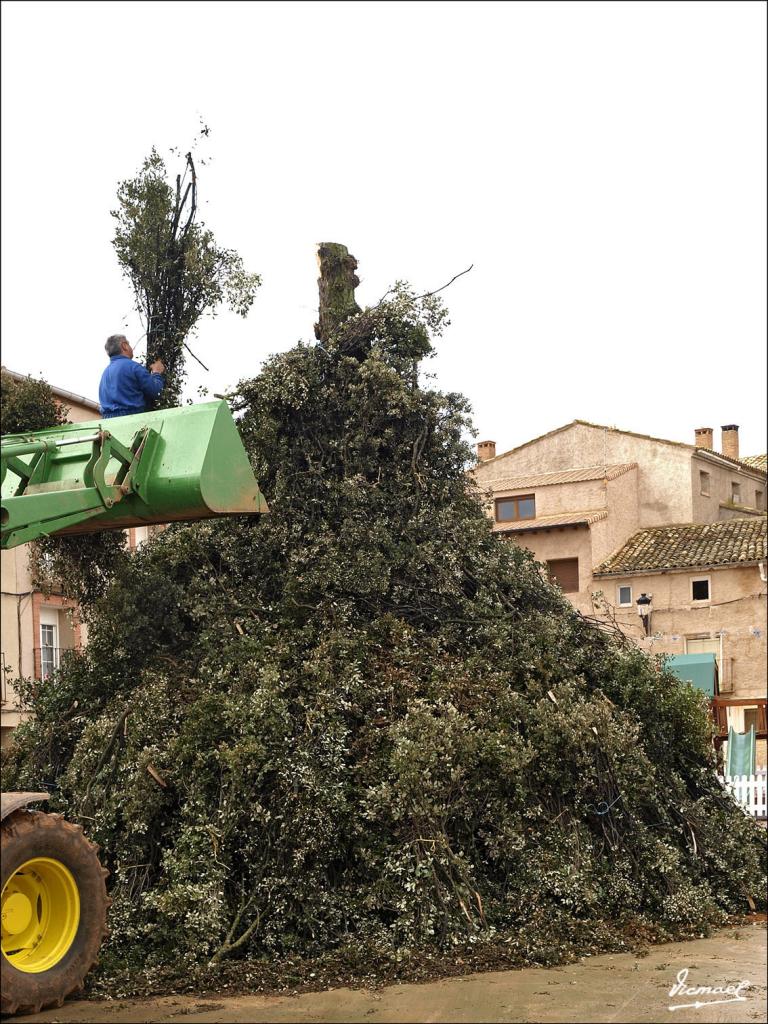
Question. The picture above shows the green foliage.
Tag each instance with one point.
(80, 567)
(176, 268)
(27, 405)
(362, 722)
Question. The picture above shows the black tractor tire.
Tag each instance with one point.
(26, 835)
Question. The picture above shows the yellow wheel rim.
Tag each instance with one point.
(41, 913)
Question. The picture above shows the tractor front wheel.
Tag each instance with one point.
(54, 910)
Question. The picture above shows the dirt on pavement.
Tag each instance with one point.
(622, 987)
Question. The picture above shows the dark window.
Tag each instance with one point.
(735, 493)
(510, 509)
(565, 572)
(758, 499)
(625, 596)
(750, 719)
(700, 590)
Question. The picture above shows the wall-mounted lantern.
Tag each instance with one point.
(644, 611)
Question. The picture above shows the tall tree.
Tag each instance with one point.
(177, 269)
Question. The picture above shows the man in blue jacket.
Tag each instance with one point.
(126, 387)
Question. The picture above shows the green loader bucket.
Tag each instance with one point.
(156, 467)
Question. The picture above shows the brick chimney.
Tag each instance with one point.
(486, 450)
(730, 444)
(704, 438)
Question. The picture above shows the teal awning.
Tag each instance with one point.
(698, 669)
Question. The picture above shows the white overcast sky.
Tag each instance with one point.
(602, 165)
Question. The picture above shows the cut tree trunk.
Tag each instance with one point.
(337, 283)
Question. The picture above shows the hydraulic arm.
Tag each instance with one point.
(31, 511)
(175, 464)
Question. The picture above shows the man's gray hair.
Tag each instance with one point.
(114, 341)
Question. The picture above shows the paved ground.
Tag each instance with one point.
(612, 988)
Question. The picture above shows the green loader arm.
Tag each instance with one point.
(175, 464)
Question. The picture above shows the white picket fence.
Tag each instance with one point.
(751, 791)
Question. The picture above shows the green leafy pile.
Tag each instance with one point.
(363, 722)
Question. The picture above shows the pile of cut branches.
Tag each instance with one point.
(362, 722)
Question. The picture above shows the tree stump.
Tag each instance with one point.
(337, 283)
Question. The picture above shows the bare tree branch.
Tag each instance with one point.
(192, 185)
(426, 294)
(186, 346)
(454, 278)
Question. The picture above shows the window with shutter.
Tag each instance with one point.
(565, 572)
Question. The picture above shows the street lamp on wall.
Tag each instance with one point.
(644, 611)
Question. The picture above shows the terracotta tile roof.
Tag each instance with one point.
(545, 522)
(743, 463)
(571, 476)
(757, 462)
(689, 545)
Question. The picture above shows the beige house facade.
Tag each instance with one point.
(589, 488)
(613, 515)
(707, 587)
(36, 629)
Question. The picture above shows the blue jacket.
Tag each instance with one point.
(126, 387)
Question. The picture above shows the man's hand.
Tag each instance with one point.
(157, 367)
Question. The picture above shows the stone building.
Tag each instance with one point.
(575, 495)
(706, 584)
(613, 515)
